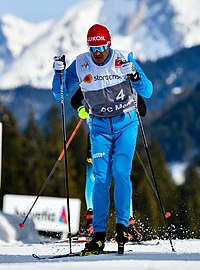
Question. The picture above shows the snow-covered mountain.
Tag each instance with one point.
(151, 28)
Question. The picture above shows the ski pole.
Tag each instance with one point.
(167, 214)
(52, 171)
(151, 167)
(62, 102)
(153, 177)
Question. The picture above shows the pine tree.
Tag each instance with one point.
(12, 145)
(33, 156)
(146, 203)
(54, 146)
(189, 203)
(78, 153)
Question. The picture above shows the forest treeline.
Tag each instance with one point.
(28, 156)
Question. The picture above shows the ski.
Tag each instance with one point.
(74, 254)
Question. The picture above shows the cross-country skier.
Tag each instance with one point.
(103, 75)
(87, 230)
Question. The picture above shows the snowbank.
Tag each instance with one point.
(10, 231)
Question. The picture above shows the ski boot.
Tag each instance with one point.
(96, 245)
(133, 233)
(87, 230)
(121, 237)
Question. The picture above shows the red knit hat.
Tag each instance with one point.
(98, 35)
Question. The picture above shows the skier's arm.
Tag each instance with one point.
(69, 79)
(76, 100)
(141, 106)
(143, 86)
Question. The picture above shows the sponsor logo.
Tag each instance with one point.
(96, 38)
(98, 155)
(88, 78)
(107, 109)
(40, 216)
(122, 106)
(117, 107)
(106, 77)
(85, 64)
(63, 216)
(118, 62)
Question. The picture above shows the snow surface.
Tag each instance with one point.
(16, 252)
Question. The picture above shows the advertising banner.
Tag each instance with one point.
(49, 213)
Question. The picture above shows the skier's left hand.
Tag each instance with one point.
(83, 113)
(128, 69)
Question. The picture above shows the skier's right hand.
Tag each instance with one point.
(59, 63)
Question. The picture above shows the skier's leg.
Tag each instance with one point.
(87, 230)
(133, 234)
(122, 164)
(101, 158)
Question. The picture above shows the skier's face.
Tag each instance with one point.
(100, 57)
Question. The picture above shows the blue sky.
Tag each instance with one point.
(36, 10)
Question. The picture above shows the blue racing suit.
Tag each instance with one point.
(113, 127)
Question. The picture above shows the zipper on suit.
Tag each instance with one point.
(111, 125)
